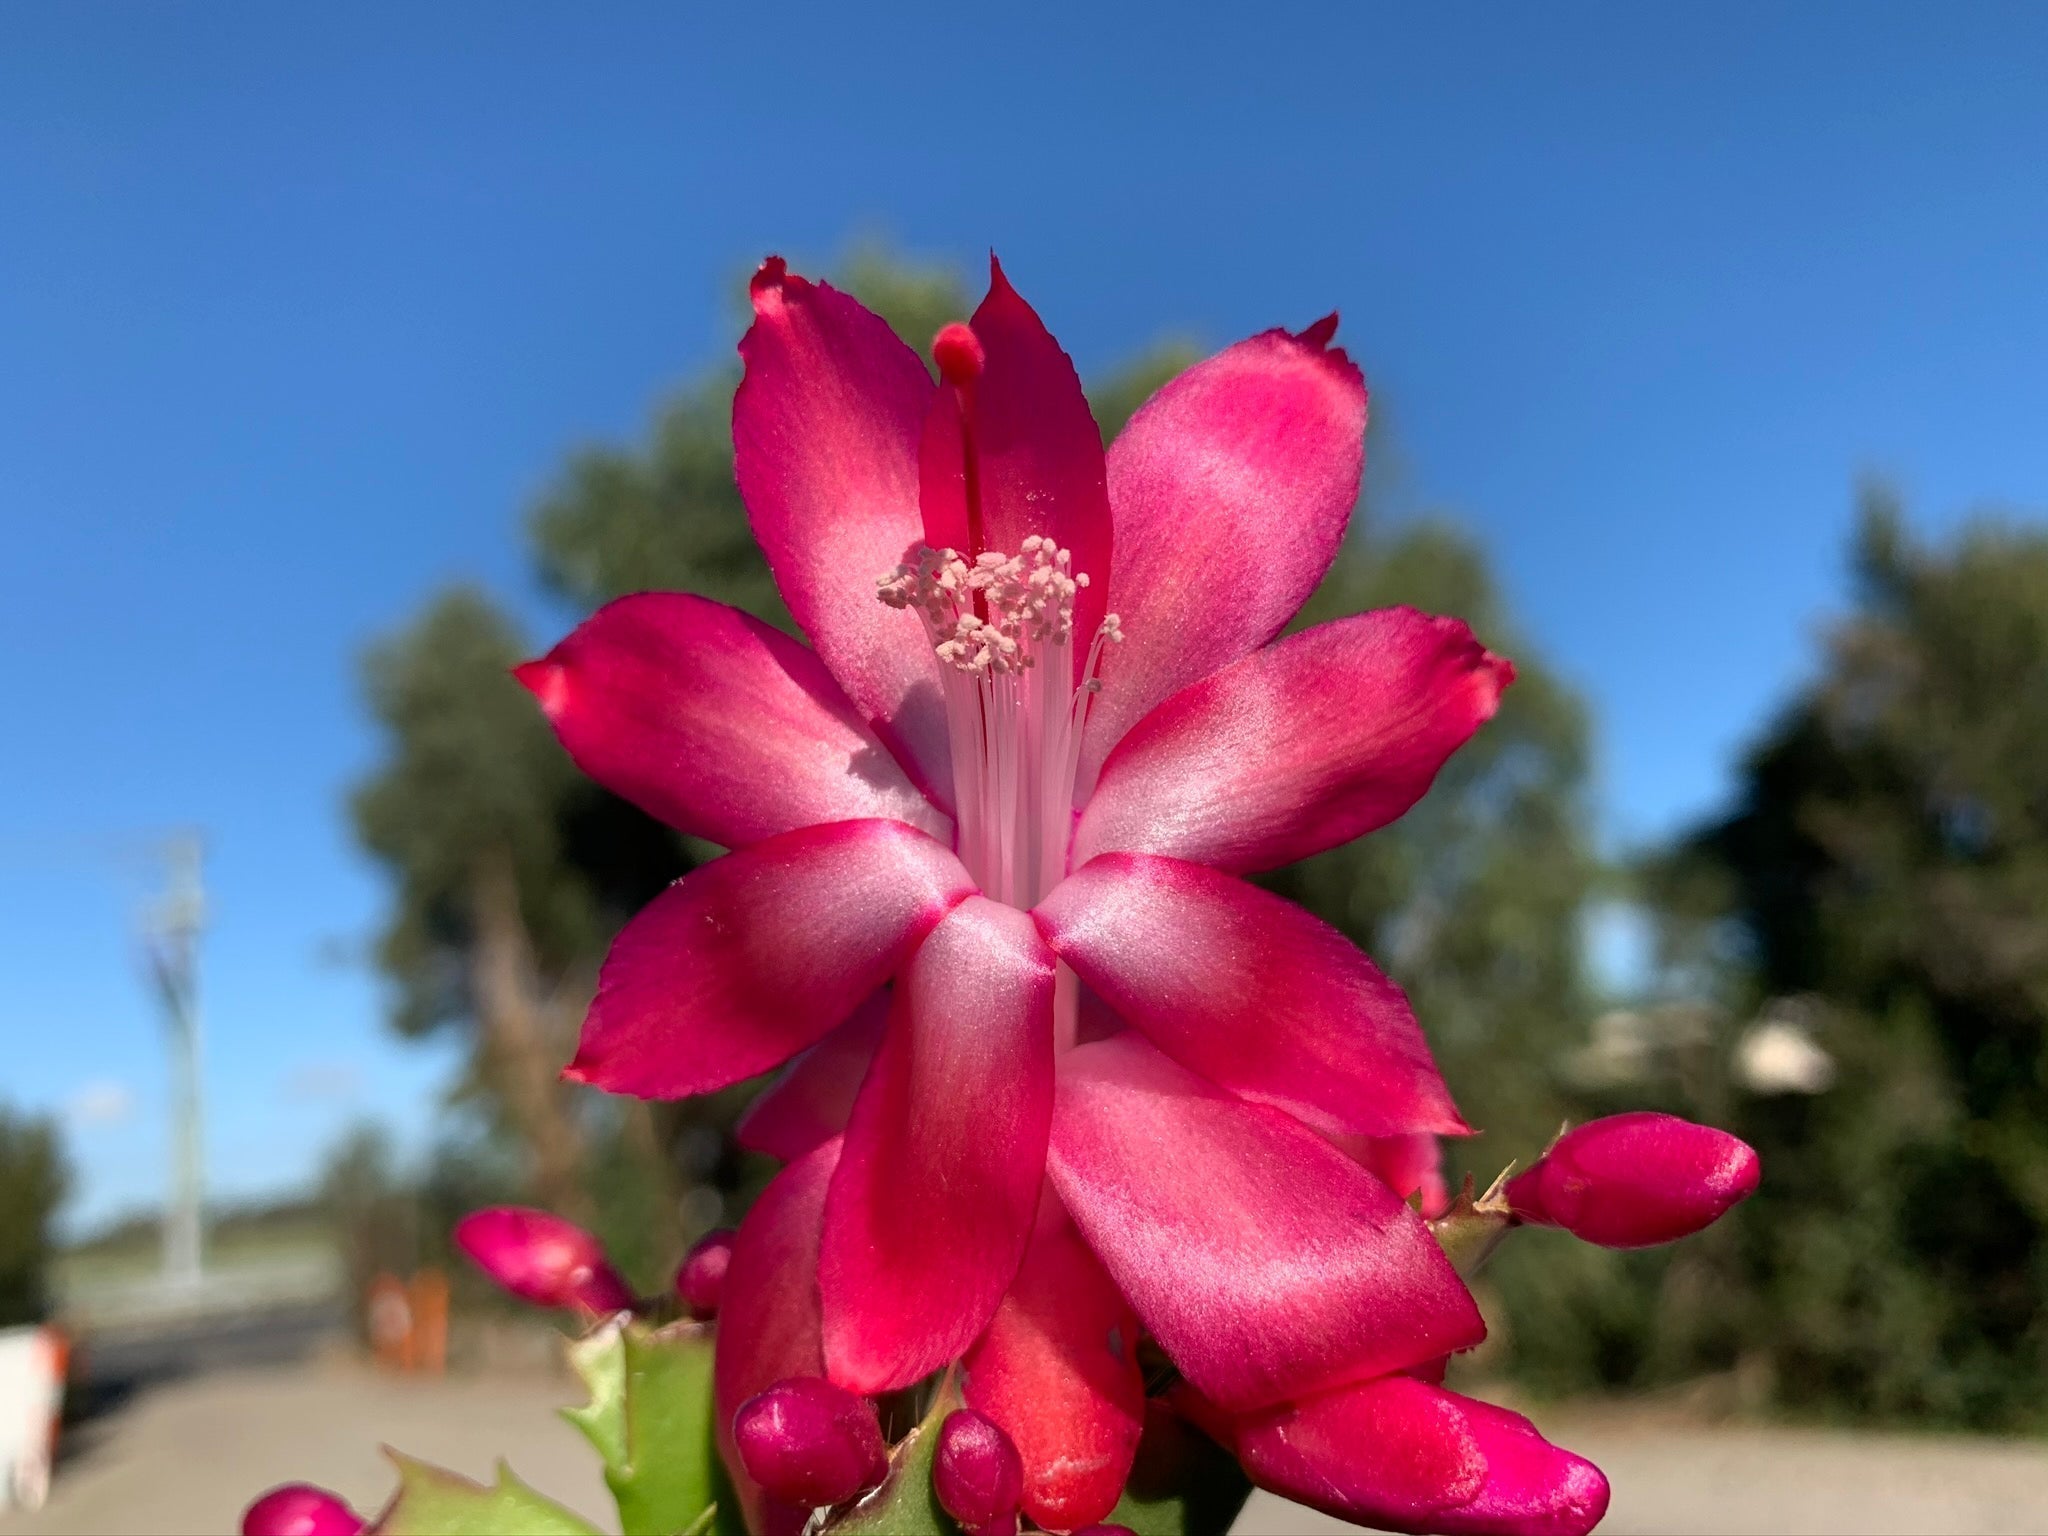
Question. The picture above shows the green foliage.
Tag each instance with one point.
(1888, 861)
(434, 1502)
(33, 1180)
(650, 1417)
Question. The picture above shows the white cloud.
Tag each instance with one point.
(100, 1102)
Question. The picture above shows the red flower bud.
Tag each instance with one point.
(701, 1280)
(1105, 1530)
(542, 1259)
(977, 1474)
(1633, 1180)
(809, 1443)
(1398, 1454)
(300, 1509)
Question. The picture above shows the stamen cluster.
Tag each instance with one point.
(1004, 626)
(996, 615)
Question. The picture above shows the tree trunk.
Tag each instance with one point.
(521, 1056)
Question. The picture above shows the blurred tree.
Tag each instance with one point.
(510, 869)
(1887, 862)
(33, 1181)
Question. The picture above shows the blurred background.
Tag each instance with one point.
(349, 355)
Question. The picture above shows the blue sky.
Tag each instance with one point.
(299, 309)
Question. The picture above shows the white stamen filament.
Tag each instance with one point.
(1004, 627)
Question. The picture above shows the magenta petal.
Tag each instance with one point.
(1230, 492)
(1057, 1371)
(1402, 1455)
(810, 1099)
(1298, 747)
(1633, 1180)
(1266, 1262)
(1252, 992)
(768, 1324)
(1392, 1452)
(713, 722)
(744, 962)
(1039, 452)
(825, 430)
(1532, 1488)
(945, 1153)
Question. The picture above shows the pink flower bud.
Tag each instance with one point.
(542, 1259)
(701, 1280)
(1399, 1454)
(809, 1443)
(300, 1509)
(1633, 1180)
(977, 1474)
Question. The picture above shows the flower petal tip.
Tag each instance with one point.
(547, 680)
(765, 287)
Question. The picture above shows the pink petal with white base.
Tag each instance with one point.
(742, 963)
(713, 722)
(1299, 747)
(1057, 1370)
(944, 1155)
(1266, 1262)
(825, 430)
(1250, 991)
(1230, 491)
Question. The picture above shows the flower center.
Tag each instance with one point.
(1004, 627)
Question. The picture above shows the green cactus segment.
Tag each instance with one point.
(434, 1502)
(650, 1417)
(1182, 1484)
(905, 1504)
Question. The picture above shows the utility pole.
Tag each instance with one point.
(170, 939)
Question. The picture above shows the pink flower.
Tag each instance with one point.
(543, 1259)
(300, 1509)
(989, 833)
(1632, 1180)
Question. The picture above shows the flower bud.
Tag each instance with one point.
(1105, 1530)
(701, 1280)
(300, 1509)
(1398, 1454)
(542, 1259)
(977, 1474)
(1632, 1180)
(809, 1443)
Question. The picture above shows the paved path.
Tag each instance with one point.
(184, 1458)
